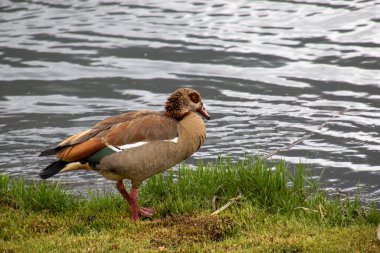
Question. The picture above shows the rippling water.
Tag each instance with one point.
(269, 72)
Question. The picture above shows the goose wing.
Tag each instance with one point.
(116, 131)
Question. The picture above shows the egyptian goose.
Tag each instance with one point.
(135, 145)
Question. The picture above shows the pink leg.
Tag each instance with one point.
(121, 188)
(134, 205)
(132, 201)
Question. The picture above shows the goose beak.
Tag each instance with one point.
(203, 112)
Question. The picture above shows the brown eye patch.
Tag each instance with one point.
(194, 97)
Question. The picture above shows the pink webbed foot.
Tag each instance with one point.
(132, 201)
(146, 212)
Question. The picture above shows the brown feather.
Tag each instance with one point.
(72, 139)
(98, 131)
(146, 128)
(117, 130)
(80, 151)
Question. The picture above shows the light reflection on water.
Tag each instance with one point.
(269, 72)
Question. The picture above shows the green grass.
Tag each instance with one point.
(275, 189)
(35, 196)
(282, 209)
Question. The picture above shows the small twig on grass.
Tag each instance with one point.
(213, 202)
(305, 136)
(233, 200)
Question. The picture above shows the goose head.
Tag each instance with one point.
(183, 101)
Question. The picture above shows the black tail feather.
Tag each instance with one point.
(52, 169)
(52, 151)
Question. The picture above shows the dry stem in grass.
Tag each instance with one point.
(337, 114)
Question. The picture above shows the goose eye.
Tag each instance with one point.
(194, 98)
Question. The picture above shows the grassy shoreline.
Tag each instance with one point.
(282, 209)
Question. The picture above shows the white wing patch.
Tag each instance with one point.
(135, 145)
(175, 140)
(127, 146)
(113, 148)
